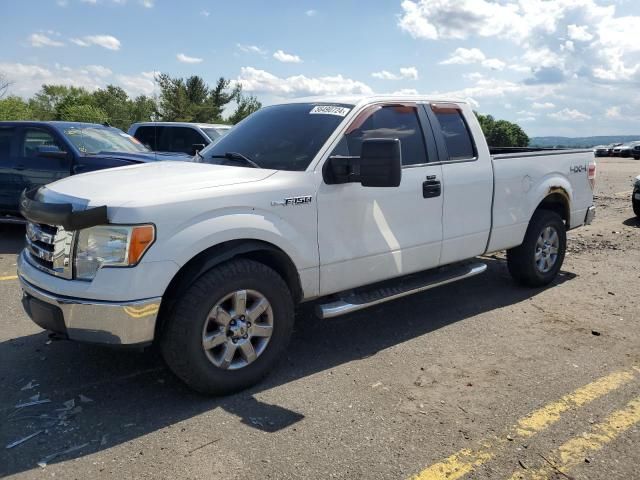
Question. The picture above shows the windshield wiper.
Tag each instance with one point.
(238, 156)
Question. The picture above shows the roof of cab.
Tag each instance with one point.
(54, 123)
(184, 124)
(364, 99)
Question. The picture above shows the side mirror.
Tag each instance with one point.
(196, 147)
(51, 151)
(381, 163)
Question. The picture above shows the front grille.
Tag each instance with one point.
(50, 249)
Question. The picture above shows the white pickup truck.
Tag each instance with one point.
(348, 202)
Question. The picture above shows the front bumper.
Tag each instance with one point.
(591, 214)
(94, 321)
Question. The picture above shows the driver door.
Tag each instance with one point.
(33, 167)
(369, 234)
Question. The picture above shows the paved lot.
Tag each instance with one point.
(481, 379)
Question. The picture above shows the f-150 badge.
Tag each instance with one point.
(302, 200)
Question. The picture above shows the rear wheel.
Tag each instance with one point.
(538, 260)
(229, 328)
(636, 204)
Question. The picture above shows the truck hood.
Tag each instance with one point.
(144, 157)
(116, 186)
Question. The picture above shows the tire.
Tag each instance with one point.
(636, 206)
(529, 264)
(192, 320)
(635, 157)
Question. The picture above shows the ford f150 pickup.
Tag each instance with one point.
(349, 202)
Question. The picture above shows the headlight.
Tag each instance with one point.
(110, 246)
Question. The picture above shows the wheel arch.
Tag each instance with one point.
(557, 200)
(257, 250)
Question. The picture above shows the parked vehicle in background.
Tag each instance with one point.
(601, 151)
(635, 196)
(349, 201)
(612, 147)
(183, 137)
(33, 154)
(636, 151)
(626, 150)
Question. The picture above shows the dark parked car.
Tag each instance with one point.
(33, 154)
(601, 151)
(636, 151)
(182, 137)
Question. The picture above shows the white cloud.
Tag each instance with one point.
(252, 49)
(579, 33)
(311, 13)
(140, 84)
(105, 41)
(614, 112)
(182, 58)
(41, 40)
(567, 114)
(286, 57)
(468, 56)
(205, 13)
(406, 91)
(98, 70)
(542, 105)
(406, 73)
(148, 3)
(261, 81)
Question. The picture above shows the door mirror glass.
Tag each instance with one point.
(380, 163)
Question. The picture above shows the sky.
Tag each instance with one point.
(556, 67)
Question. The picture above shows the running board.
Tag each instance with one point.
(391, 290)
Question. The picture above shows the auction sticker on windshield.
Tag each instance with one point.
(330, 110)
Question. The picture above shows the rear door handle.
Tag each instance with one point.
(431, 189)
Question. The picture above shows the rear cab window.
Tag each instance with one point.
(455, 131)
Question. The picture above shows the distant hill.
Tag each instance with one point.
(580, 142)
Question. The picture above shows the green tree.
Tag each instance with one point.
(14, 108)
(115, 103)
(502, 133)
(192, 100)
(83, 113)
(246, 105)
(51, 100)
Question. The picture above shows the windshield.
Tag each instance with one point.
(215, 133)
(281, 137)
(91, 140)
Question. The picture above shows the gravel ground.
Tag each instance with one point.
(446, 378)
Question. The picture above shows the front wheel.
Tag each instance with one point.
(636, 204)
(538, 260)
(229, 328)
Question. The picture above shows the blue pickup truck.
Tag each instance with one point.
(33, 154)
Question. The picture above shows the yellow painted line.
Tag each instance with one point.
(574, 451)
(10, 277)
(465, 461)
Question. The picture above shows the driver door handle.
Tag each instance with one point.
(431, 189)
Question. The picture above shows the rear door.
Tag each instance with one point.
(370, 234)
(9, 183)
(467, 177)
(36, 164)
(146, 134)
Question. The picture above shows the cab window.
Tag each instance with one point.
(455, 131)
(36, 139)
(391, 122)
